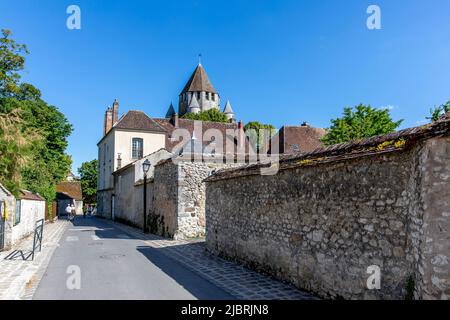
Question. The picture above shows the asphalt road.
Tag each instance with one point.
(115, 265)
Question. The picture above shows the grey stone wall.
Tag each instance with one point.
(320, 227)
(163, 216)
(434, 254)
(104, 203)
(179, 198)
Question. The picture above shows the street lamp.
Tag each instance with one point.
(145, 167)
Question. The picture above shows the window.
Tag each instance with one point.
(198, 95)
(137, 148)
(213, 97)
(17, 216)
(207, 95)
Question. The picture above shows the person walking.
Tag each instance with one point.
(69, 211)
(89, 210)
(73, 211)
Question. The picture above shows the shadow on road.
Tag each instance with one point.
(199, 287)
(162, 258)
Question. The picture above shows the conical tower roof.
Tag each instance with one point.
(199, 81)
(171, 111)
(228, 109)
(194, 103)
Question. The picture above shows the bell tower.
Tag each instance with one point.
(198, 94)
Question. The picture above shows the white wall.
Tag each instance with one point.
(31, 211)
(105, 162)
(120, 141)
(123, 144)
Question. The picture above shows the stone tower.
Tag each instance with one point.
(198, 94)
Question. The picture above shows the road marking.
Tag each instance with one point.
(123, 236)
(90, 229)
(94, 237)
(72, 238)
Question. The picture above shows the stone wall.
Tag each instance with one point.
(321, 226)
(179, 198)
(434, 254)
(104, 199)
(163, 216)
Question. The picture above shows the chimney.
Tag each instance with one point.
(115, 112)
(108, 121)
(175, 121)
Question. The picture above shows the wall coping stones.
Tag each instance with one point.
(382, 144)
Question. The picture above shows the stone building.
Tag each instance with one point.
(69, 192)
(332, 217)
(198, 94)
(199, 147)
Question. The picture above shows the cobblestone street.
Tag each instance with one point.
(240, 282)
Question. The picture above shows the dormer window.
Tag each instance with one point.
(137, 147)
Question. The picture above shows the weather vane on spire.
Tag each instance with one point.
(199, 58)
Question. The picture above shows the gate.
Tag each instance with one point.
(2, 225)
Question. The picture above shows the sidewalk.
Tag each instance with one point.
(235, 279)
(18, 278)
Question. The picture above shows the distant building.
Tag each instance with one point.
(72, 177)
(68, 192)
(297, 139)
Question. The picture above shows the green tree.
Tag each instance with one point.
(11, 62)
(438, 112)
(17, 148)
(42, 130)
(360, 122)
(88, 173)
(213, 115)
(259, 134)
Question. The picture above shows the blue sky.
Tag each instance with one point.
(279, 62)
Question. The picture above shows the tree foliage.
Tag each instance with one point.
(11, 62)
(17, 147)
(360, 122)
(259, 134)
(438, 112)
(213, 115)
(88, 173)
(33, 134)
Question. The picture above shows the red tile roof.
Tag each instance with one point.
(138, 120)
(28, 195)
(71, 189)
